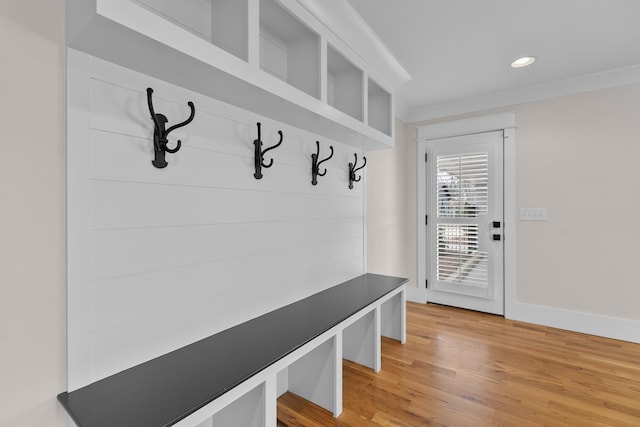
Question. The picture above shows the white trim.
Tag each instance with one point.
(270, 397)
(467, 126)
(337, 375)
(421, 197)
(365, 220)
(507, 123)
(510, 219)
(418, 295)
(586, 323)
(571, 86)
(79, 260)
(253, 33)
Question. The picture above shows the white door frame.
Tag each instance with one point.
(507, 123)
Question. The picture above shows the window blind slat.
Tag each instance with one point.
(458, 259)
(463, 185)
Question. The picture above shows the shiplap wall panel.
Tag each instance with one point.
(130, 295)
(201, 167)
(127, 205)
(148, 336)
(122, 252)
(180, 253)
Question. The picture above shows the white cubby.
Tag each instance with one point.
(344, 84)
(392, 318)
(379, 108)
(289, 49)
(271, 57)
(247, 411)
(229, 26)
(282, 382)
(317, 376)
(361, 341)
(221, 22)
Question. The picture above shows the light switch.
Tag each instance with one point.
(533, 214)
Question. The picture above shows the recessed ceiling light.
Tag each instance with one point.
(523, 62)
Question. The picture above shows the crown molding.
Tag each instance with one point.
(575, 85)
(468, 126)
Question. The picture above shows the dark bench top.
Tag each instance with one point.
(166, 389)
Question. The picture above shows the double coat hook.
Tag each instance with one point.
(160, 134)
(315, 165)
(353, 170)
(258, 157)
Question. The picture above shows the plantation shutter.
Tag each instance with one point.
(462, 195)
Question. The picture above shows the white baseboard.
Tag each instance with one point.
(576, 321)
(416, 294)
(588, 323)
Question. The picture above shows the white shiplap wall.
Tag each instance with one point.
(159, 258)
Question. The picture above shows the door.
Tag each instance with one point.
(464, 223)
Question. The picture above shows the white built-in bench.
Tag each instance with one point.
(234, 377)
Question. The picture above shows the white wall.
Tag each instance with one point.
(32, 219)
(577, 157)
(159, 258)
(387, 246)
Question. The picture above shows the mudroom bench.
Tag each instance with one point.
(233, 378)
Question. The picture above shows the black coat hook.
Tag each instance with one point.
(315, 165)
(160, 134)
(258, 157)
(353, 170)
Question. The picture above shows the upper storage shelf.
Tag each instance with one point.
(344, 84)
(291, 60)
(221, 22)
(289, 49)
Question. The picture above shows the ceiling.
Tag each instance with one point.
(460, 50)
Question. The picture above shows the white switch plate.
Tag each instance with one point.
(533, 214)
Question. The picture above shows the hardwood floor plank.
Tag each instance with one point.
(462, 368)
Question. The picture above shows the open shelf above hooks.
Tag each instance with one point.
(280, 59)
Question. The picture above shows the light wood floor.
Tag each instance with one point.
(461, 368)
